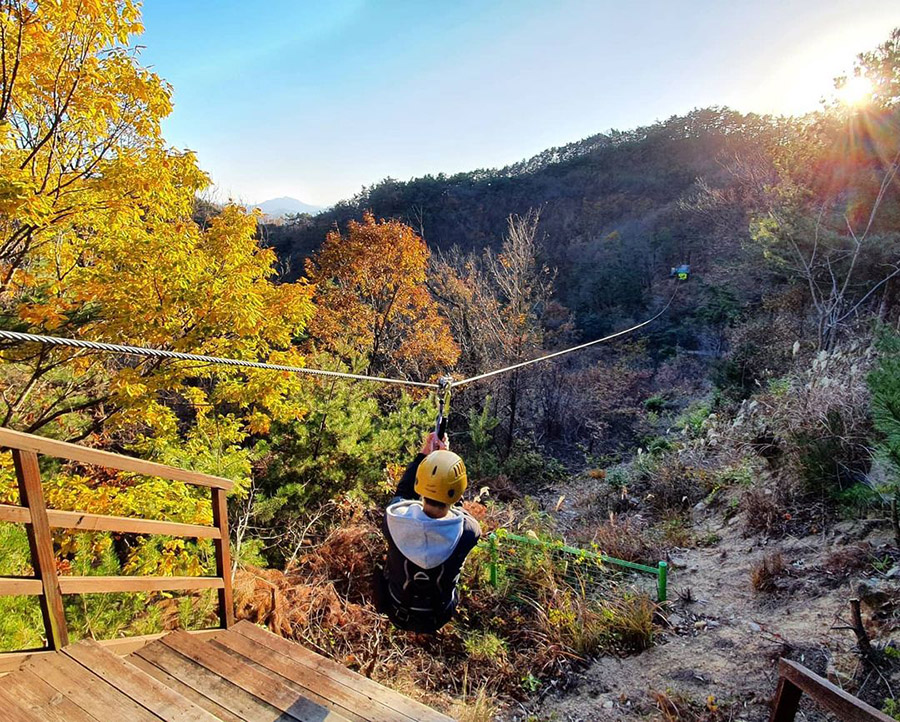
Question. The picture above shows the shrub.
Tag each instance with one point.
(668, 484)
(691, 421)
(891, 708)
(856, 500)
(481, 460)
(655, 403)
(766, 572)
(826, 421)
(761, 346)
(884, 383)
(740, 473)
(849, 559)
(816, 438)
(658, 444)
(624, 539)
(618, 477)
(485, 646)
(676, 531)
(528, 465)
(762, 515)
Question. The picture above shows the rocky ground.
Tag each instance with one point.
(717, 657)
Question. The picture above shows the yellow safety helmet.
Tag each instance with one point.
(441, 477)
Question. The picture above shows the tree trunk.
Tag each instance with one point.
(859, 629)
(513, 403)
(895, 518)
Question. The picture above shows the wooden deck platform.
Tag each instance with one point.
(243, 673)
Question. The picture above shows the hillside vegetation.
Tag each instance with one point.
(760, 410)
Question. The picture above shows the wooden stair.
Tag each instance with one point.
(244, 673)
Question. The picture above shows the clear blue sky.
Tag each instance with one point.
(314, 99)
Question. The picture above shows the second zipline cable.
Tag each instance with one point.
(549, 356)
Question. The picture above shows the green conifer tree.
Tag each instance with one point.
(884, 383)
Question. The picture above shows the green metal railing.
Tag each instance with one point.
(495, 540)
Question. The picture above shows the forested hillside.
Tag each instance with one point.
(616, 209)
(748, 436)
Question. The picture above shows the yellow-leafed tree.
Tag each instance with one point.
(97, 241)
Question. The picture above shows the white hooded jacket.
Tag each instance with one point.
(426, 542)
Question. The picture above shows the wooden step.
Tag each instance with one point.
(148, 692)
(312, 666)
(215, 690)
(352, 704)
(13, 711)
(89, 691)
(265, 687)
(180, 685)
(42, 700)
(244, 674)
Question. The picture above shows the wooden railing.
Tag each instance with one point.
(795, 679)
(39, 520)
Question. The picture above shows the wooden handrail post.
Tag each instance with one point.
(787, 701)
(795, 679)
(223, 558)
(40, 540)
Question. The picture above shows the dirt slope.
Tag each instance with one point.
(718, 658)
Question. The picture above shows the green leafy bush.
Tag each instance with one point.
(481, 460)
(485, 646)
(529, 465)
(884, 384)
(691, 421)
(656, 403)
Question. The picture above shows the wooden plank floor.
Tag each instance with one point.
(243, 674)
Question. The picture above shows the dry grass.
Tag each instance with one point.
(480, 706)
(630, 621)
(676, 706)
(762, 514)
(668, 485)
(535, 626)
(849, 559)
(672, 706)
(677, 531)
(625, 539)
(765, 573)
(813, 427)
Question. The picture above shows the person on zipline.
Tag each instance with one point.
(428, 541)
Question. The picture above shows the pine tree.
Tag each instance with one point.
(884, 383)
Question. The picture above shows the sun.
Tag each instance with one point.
(855, 91)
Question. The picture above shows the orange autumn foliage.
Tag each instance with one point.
(372, 302)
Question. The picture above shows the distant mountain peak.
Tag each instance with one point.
(285, 205)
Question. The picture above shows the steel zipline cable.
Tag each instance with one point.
(556, 354)
(162, 353)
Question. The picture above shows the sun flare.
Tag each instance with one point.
(855, 91)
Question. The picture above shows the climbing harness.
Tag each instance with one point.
(442, 387)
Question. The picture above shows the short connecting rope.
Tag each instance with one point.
(504, 370)
(161, 353)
